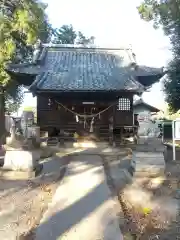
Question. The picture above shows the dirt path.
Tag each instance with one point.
(82, 207)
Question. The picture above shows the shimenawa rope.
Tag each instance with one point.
(85, 116)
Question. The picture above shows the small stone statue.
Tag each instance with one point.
(12, 141)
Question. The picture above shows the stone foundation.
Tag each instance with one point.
(20, 164)
(20, 175)
(168, 153)
(21, 160)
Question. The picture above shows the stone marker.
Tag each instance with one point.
(21, 158)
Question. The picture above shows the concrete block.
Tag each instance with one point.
(21, 160)
(120, 177)
(168, 154)
(20, 175)
(148, 155)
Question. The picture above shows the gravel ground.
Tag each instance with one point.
(151, 206)
(163, 223)
(162, 219)
(22, 203)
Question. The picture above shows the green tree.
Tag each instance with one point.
(166, 14)
(67, 35)
(22, 22)
(84, 40)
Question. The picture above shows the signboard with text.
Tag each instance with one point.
(144, 117)
(177, 129)
(176, 135)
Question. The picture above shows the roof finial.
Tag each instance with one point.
(78, 41)
(37, 50)
(37, 45)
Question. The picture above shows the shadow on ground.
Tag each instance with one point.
(154, 209)
(52, 168)
(67, 218)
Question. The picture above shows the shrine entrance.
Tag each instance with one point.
(86, 118)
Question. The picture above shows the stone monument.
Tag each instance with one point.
(21, 158)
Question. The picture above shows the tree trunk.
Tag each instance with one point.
(2, 117)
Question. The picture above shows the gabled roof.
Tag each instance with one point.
(147, 76)
(141, 102)
(77, 68)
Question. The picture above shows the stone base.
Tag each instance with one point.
(20, 175)
(21, 160)
(149, 164)
(151, 174)
(168, 153)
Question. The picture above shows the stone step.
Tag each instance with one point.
(147, 155)
(141, 174)
(148, 164)
(52, 141)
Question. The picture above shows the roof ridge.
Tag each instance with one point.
(80, 46)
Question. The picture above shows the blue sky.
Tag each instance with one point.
(114, 23)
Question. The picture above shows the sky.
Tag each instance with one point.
(114, 23)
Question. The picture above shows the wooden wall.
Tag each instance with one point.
(50, 114)
(123, 111)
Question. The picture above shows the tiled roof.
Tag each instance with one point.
(86, 69)
(141, 102)
(79, 81)
(79, 68)
(142, 71)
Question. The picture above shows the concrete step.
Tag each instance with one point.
(148, 164)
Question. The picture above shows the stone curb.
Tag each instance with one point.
(132, 167)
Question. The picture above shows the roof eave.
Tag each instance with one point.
(81, 91)
(148, 78)
(21, 78)
(153, 109)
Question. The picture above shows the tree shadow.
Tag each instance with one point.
(83, 207)
(163, 220)
(55, 226)
(53, 171)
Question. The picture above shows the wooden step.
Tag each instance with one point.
(52, 141)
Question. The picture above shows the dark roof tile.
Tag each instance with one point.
(81, 68)
(87, 69)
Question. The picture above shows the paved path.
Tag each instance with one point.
(82, 208)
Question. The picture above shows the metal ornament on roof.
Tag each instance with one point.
(37, 50)
(132, 57)
(78, 42)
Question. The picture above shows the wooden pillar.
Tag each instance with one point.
(111, 127)
(62, 137)
(121, 135)
(2, 117)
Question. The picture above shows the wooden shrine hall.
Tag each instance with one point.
(84, 89)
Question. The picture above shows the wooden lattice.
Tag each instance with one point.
(124, 104)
